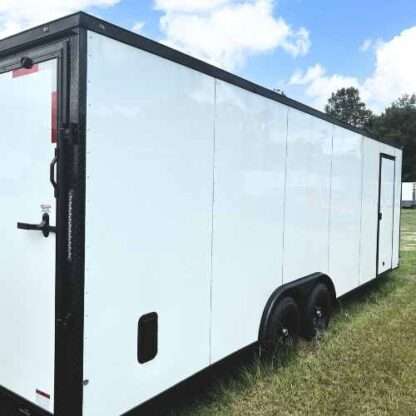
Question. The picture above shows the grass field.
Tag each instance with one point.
(364, 365)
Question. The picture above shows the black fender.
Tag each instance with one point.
(299, 290)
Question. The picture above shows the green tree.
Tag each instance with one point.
(346, 106)
(397, 124)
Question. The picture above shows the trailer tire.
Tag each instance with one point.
(317, 311)
(284, 325)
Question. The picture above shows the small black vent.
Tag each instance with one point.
(147, 338)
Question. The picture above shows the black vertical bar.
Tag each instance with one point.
(71, 232)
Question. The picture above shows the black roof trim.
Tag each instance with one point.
(66, 25)
(40, 34)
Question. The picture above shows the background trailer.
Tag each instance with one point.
(409, 194)
(159, 214)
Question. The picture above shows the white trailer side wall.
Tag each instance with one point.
(345, 217)
(202, 199)
(250, 153)
(307, 196)
(148, 216)
(369, 215)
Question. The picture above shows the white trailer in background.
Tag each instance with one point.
(409, 195)
(159, 214)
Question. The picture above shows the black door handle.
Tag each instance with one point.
(380, 216)
(43, 226)
(52, 173)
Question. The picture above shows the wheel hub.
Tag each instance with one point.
(319, 319)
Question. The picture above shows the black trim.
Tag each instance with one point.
(393, 158)
(386, 156)
(70, 306)
(37, 55)
(40, 35)
(65, 25)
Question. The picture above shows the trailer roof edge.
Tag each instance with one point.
(40, 34)
(66, 25)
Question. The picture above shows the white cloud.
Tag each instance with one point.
(319, 85)
(17, 15)
(298, 42)
(306, 77)
(393, 75)
(188, 5)
(395, 69)
(366, 45)
(227, 32)
(371, 45)
(138, 27)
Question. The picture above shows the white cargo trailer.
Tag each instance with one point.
(409, 194)
(159, 214)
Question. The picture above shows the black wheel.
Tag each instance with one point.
(317, 311)
(284, 325)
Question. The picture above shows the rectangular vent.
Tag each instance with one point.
(147, 338)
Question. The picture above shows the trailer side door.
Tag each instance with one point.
(386, 213)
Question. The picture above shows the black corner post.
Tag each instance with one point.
(69, 326)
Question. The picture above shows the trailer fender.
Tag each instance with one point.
(299, 290)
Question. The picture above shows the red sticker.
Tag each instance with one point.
(54, 117)
(21, 72)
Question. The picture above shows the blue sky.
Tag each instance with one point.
(307, 48)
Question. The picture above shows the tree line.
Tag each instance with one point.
(396, 124)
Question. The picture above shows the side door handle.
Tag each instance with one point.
(44, 226)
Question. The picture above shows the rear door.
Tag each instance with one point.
(386, 213)
(28, 141)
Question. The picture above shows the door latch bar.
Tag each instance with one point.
(43, 226)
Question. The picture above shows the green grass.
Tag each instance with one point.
(364, 365)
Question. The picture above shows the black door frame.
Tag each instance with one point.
(379, 219)
(70, 54)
